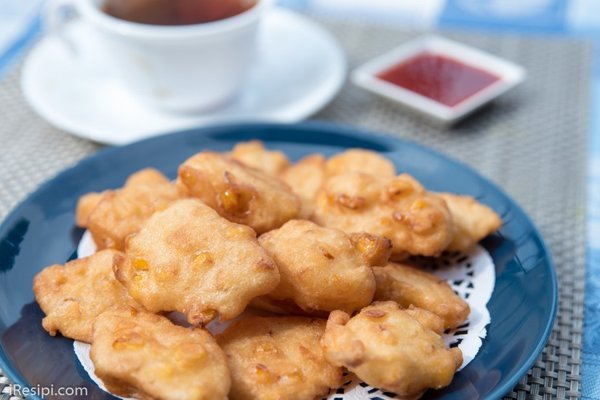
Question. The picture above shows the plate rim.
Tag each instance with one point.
(327, 127)
(321, 98)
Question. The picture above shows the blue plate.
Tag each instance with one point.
(41, 232)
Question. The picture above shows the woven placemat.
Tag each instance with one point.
(532, 142)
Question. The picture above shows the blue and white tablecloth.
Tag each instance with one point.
(20, 22)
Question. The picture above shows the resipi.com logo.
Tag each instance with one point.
(43, 391)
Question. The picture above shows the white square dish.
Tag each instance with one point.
(508, 73)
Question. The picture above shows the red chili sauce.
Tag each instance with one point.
(438, 77)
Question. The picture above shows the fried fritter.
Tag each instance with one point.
(189, 259)
(145, 356)
(309, 174)
(324, 269)
(391, 348)
(409, 286)
(473, 221)
(305, 178)
(239, 193)
(360, 160)
(73, 295)
(120, 213)
(254, 154)
(278, 358)
(416, 221)
(86, 204)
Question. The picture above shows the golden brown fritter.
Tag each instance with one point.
(120, 213)
(309, 174)
(416, 221)
(391, 348)
(473, 221)
(254, 154)
(74, 294)
(86, 204)
(409, 286)
(239, 193)
(323, 269)
(278, 358)
(189, 259)
(142, 355)
(305, 178)
(360, 160)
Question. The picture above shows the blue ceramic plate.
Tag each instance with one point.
(41, 232)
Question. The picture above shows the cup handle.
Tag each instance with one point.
(56, 14)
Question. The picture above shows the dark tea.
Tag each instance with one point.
(175, 12)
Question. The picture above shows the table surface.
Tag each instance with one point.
(20, 23)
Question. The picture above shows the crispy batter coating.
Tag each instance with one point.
(254, 154)
(473, 221)
(309, 174)
(410, 286)
(86, 204)
(416, 221)
(239, 193)
(278, 358)
(142, 355)
(360, 160)
(122, 212)
(391, 348)
(324, 269)
(189, 259)
(305, 178)
(74, 294)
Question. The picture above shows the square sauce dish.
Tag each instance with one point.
(439, 78)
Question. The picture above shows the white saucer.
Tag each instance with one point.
(299, 69)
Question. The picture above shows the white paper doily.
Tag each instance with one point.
(472, 276)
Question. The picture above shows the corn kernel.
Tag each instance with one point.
(203, 259)
(263, 374)
(419, 204)
(140, 264)
(187, 177)
(229, 200)
(129, 341)
(236, 231)
(365, 245)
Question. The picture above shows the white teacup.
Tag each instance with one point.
(183, 68)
